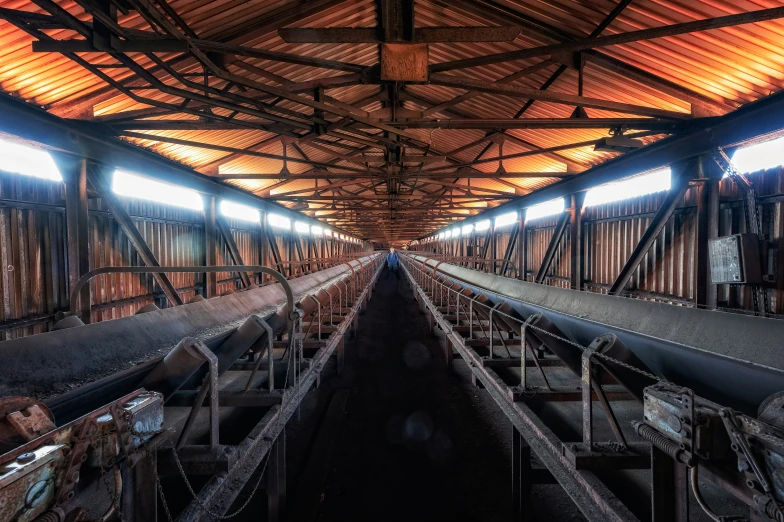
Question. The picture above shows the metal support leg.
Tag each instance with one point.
(140, 496)
(212, 360)
(276, 481)
(521, 478)
(669, 489)
(341, 354)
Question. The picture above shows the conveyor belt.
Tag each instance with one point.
(732, 359)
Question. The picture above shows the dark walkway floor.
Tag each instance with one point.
(412, 446)
(417, 442)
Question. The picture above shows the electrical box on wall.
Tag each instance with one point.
(735, 259)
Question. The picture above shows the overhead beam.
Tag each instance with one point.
(493, 11)
(32, 123)
(386, 196)
(630, 72)
(615, 39)
(370, 35)
(324, 174)
(542, 123)
(188, 143)
(517, 91)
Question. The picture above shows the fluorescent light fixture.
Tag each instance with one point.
(301, 228)
(316, 230)
(482, 225)
(276, 220)
(28, 161)
(759, 156)
(467, 229)
(238, 211)
(456, 232)
(135, 186)
(548, 208)
(506, 219)
(655, 181)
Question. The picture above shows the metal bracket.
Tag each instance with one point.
(210, 385)
(270, 360)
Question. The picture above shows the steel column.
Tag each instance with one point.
(576, 246)
(707, 229)
(210, 248)
(74, 172)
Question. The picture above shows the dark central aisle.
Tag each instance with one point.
(413, 445)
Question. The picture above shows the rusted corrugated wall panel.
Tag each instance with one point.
(33, 254)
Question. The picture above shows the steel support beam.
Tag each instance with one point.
(576, 246)
(760, 15)
(707, 229)
(552, 247)
(120, 215)
(421, 35)
(74, 172)
(84, 140)
(470, 84)
(210, 248)
(680, 183)
(753, 120)
(234, 251)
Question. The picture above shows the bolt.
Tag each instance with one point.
(24, 458)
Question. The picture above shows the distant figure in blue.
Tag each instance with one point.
(392, 263)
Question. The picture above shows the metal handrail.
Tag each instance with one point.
(181, 269)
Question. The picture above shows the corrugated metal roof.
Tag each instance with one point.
(729, 66)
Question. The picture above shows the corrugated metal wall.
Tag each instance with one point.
(668, 271)
(34, 262)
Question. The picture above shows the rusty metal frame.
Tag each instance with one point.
(589, 493)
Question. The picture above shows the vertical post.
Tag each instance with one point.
(669, 488)
(290, 251)
(707, 229)
(210, 248)
(493, 245)
(276, 480)
(521, 478)
(140, 496)
(522, 252)
(265, 253)
(74, 171)
(576, 240)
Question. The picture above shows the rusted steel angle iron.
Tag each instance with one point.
(222, 489)
(588, 492)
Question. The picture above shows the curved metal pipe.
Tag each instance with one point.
(181, 269)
